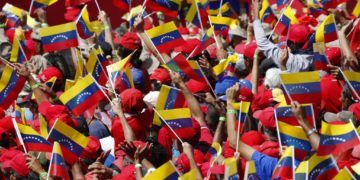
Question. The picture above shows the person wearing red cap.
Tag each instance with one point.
(292, 59)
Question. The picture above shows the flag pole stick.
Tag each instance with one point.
(7, 63)
(238, 129)
(277, 22)
(199, 16)
(97, 5)
(348, 82)
(51, 160)
(18, 133)
(287, 92)
(171, 129)
(207, 81)
(161, 58)
(143, 10)
(216, 40)
(107, 97)
(221, 3)
(21, 49)
(31, 6)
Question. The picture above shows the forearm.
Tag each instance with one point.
(76, 172)
(193, 104)
(255, 75)
(314, 137)
(230, 123)
(151, 47)
(138, 171)
(218, 132)
(128, 132)
(194, 166)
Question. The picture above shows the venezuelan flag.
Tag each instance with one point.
(356, 10)
(286, 165)
(33, 141)
(214, 152)
(281, 3)
(243, 108)
(286, 19)
(344, 174)
(356, 169)
(222, 23)
(165, 37)
(84, 26)
(302, 170)
(57, 163)
(337, 138)
(194, 65)
(319, 57)
(165, 171)
(17, 55)
(68, 84)
(303, 87)
(178, 119)
(191, 175)
(326, 32)
(266, 14)
(181, 65)
(85, 93)
(43, 3)
(20, 113)
(59, 37)
(95, 66)
(192, 15)
(50, 83)
(221, 69)
(331, 4)
(120, 71)
(214, 8)
(231, 169)
(353, 79)
(132, 14)
(168, 7)
(322, 167)
(72, 142)
(11, 85)
(43, 126)
(294, 136)
(205, 41)
(169, 98)
(284, 114)
(250, 171)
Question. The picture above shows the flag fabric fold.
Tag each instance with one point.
(33, 141)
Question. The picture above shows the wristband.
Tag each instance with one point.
(311, 131)
(43, 175)
(35, 86)
(138, 165)
(222, 118)
(2, 25)
(231, 111)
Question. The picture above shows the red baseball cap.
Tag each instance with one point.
(184, 163)
(18, 164)
(355, 108)
(267, 118)
(245, 94)
(50, 72)
(334, 55)
(183, 30)
(130, 40)
(299, 33)
(249, 50)
(54, 112)
(132, 100)
(189, 46)
(161, 75)
(270, 148)
(252, 138)
(92, 148)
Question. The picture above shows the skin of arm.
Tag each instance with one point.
(188, 150)
(194, 105)
(108, 35)
(128, 132)
(255, 73)
(299, 115)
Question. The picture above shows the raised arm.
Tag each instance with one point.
(108, 35)
(128, 132)
(188, 150)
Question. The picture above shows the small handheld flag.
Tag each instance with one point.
(181, 65)
(59, 37)
(286, 165)
(326, 32)
(266, 14)
(285, 114)
(231, 169)
(83, 24)
(165, 171)
(322, 167)
(353, 80)
(250, 171)
(57, 163)
(286, 19)
(222, 23)
(344, 174)
(178, 119)
(243, 108)
(33, 141)
(302, 171)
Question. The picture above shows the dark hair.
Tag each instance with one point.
(156, 86)
(105, 47)
(158, 155)
(212, 117)
(60, 63)
(135, 58)
(295, 47)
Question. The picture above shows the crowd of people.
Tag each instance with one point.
(122, 124)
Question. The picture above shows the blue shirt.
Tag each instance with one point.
(264, 165)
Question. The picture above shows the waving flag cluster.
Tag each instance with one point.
(59, 37)
(83, 95)
(205, 41)
(294, 136)
(33, 141)
(96, 66)
(222, 23)
(165, 37)
(284, 114)
(71, 141)
(337, 138)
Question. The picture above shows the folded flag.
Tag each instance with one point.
(302, 171)
(42, 3)
(231, 169)
(326, 32)
(72, 142)
(250, 171)
(353, 80)
(356, 10)
(96, 66)
(43, 126)
(294, 136)
(132, 14)
(33, 141)
(344, 174)
(286, 19)
(319, 57)
(286, 165)
(51, 82)
(57, 163)
(169, 98)
(181, 65)
(59, 37)
(205, 41)
(222, 23)
(266, 14)
(322, 167)
(178, 119)
(214, 8)
(119, 74)
(83, 24)
(165, 171)
(213, 153)
(165, 37)
(17, 53)
(243, 108)
(83, 95)
(303, 87)
(192, 15)
(11, 84)
(284, 114)
(221, 69)
(337, 138)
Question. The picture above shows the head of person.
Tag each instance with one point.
(297, 37)
(132, 101)
(60, 63)
(272, 78)
(346, 97)
(158, 77)
(130, 42)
